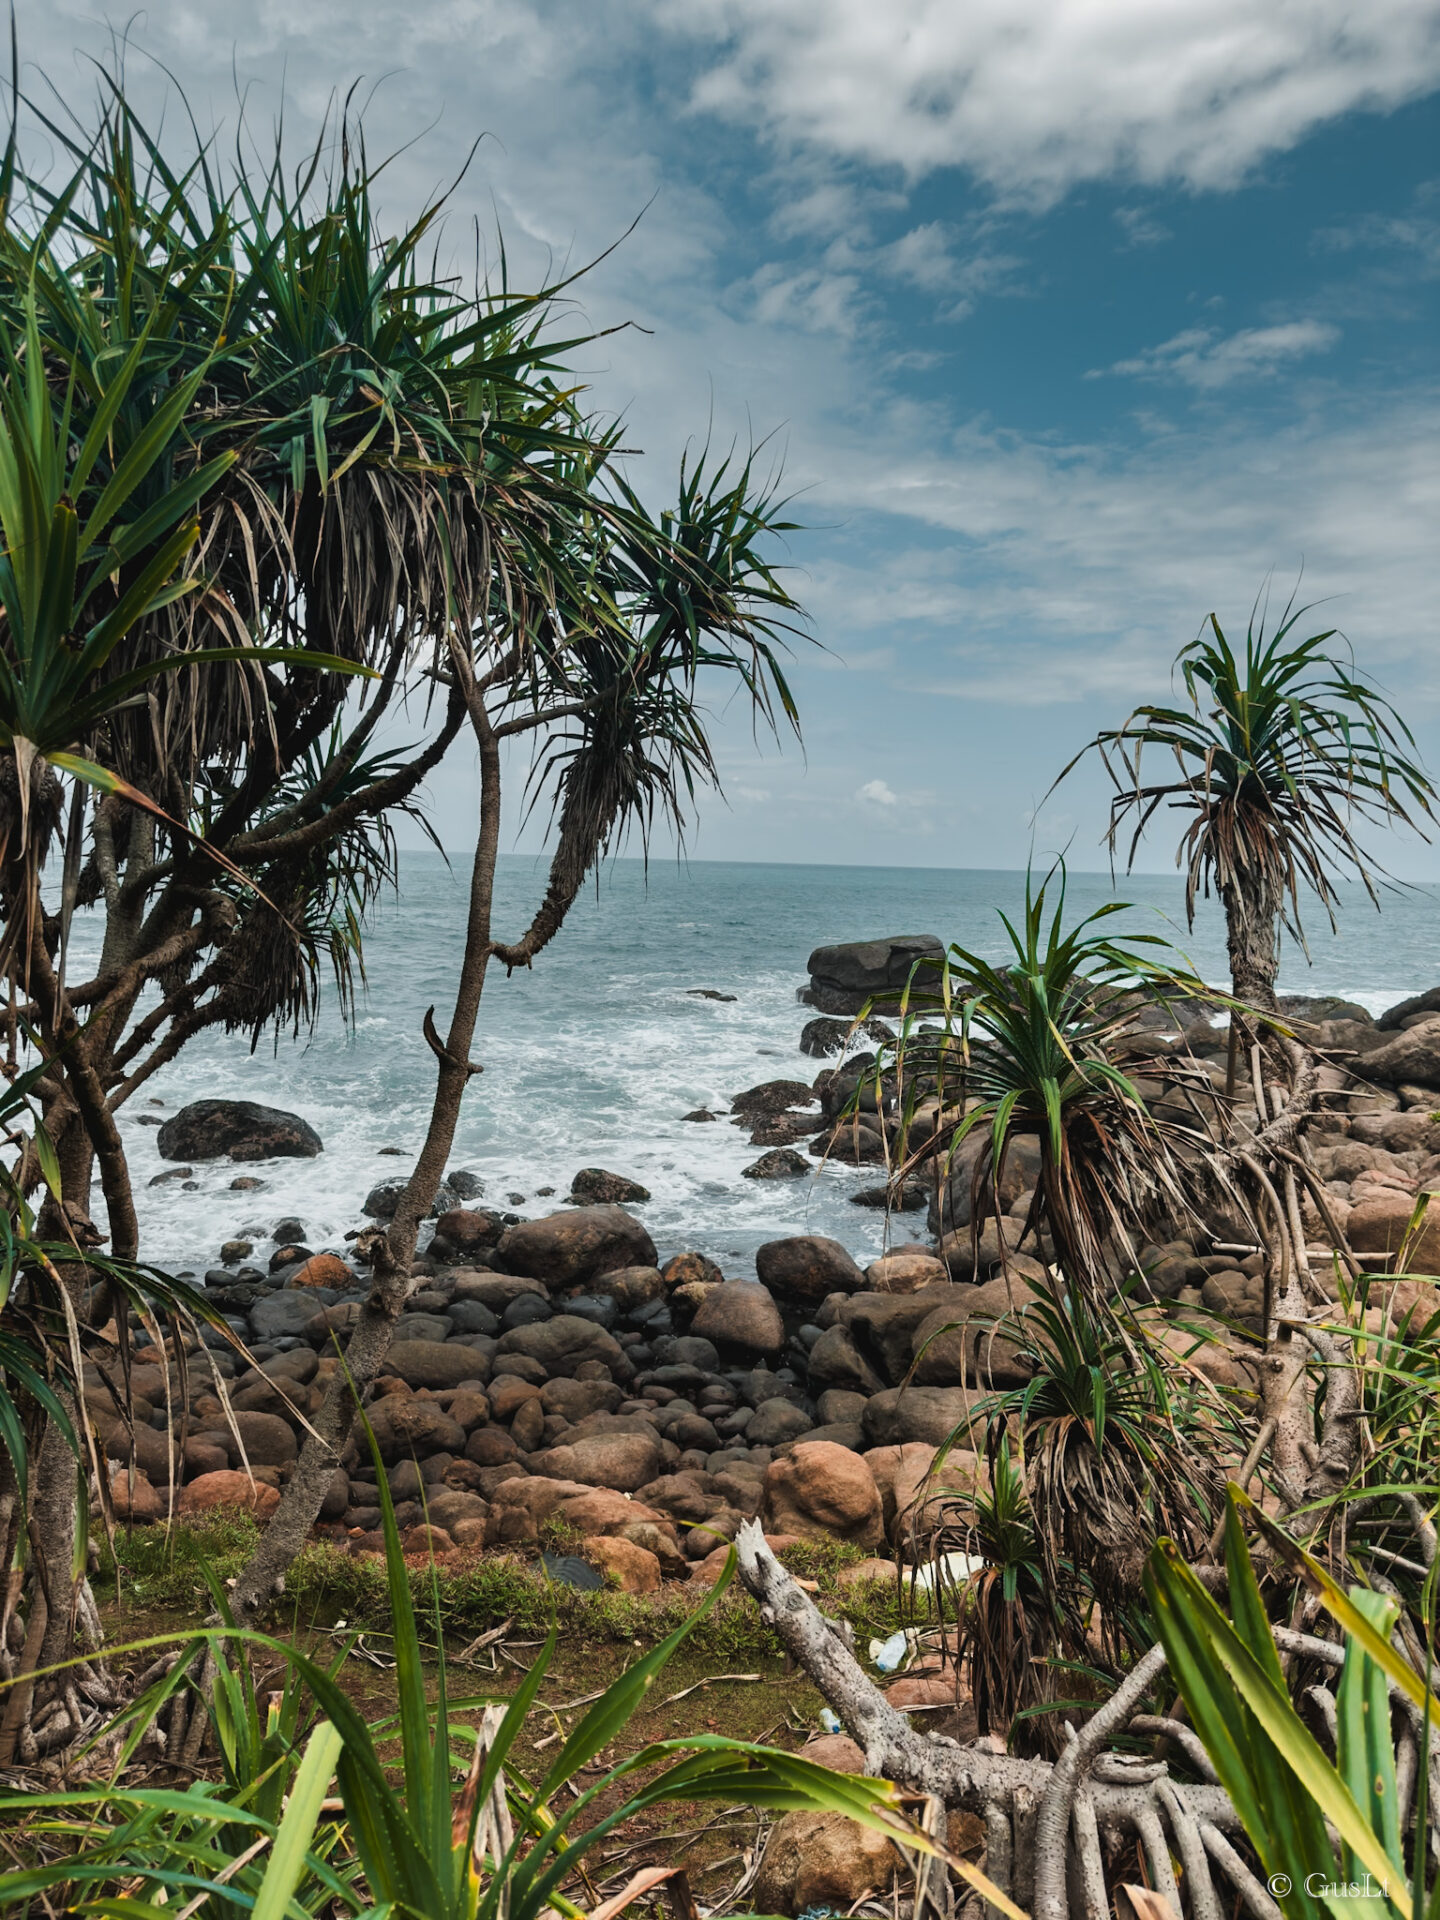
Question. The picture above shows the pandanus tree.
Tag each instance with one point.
(320, 482)
(1285, 752)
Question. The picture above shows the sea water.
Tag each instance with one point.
(592, 1057)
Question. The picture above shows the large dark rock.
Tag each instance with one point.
(806, 1267)
(769, 1098)
(593, 1186)
(567, 1249)
(825, 1035)
(433, 1363)
(882, 1325)
(781, 1163)
(1413, 1057)
(931, 1414)
(210, 1129)
(843, 978)
(1428, 1002)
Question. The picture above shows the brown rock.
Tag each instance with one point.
(806, 1267)
(425, 1538)
(821, 1491)
(630, 1287)
(741, 1314)
(687, 1268)
(527, 1429)
(906, 1273)
(973, 1340)
(567, 1249)
(445, 1505)
(469, 1229)
(134, 1498)
(863, 1573)
(624, 1461)
(506, 1394)
(214, 1490)
(822, 1860)
(625, 1565)
(922, 1690)
(603, 1510)
(469, 1408)
(1379, 1222)
(322, 1270)
(837, 1751)
(561, 1345)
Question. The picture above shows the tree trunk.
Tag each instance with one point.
(289, 1528)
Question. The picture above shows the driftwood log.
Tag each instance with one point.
(1046, 1825)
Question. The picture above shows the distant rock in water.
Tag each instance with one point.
(709, 993)
(782, 1163)
(700, 1113)
(210, 1129)
(594, 1187)
(844, 977)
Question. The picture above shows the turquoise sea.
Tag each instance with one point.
(591, 1058)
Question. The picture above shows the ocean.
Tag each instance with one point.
(591, 1058)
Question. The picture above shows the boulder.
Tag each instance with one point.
(603, 1510)
(432, 1363)
(625, 1565)
(594, 1187)
(322, 1270)
(210, 1129)
(283, 1313)
(905, 1273)
(1378, 1224)
(770, 1098)
(135, 1499)
(822, 1862)
(228, 1489)
(568, 1249)
(269, 1441)
(971, 1337)
(630, 1287)
(821, 1491)
(1412, 1055)
(469, 1229)
(403, 1427)
(493, 1290)
(772, 1425)
(836, 1362)
(844, 977)
(781, 1163)
(741, 1314)
(1420, 1003)
(807, 1267)
(931, 1414)
(687, 1269)
(448, 1505)
(624, 1461)
(824, 1035)
(422, 1326)
(561, 1344)
(883, 1325)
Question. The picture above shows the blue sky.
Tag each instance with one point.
(1072, 319)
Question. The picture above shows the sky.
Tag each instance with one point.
(1067, 321)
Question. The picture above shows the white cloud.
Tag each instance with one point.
(1205, 358)
(876, 794)
(1036, 95)
(1141, 228)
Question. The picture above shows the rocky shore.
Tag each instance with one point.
(564, 1367)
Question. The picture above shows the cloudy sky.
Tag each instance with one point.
(1071, 319)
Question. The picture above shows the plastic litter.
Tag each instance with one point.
(955, 1570)
(830, 1722)
(888, 1654)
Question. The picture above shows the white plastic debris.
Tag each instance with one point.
(888, 1654)
(830, 1722)
(955, 1570)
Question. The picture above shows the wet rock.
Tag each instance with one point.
(562, 1344)
(821, 1491)
(690, 1268)
(567, 1249)
(771, 1097)
(824, 1035)
(741, 1315)
(630, 1288)
(844, 977)
(469, 1229)
(781, 1163)
(528, 1310)
(234, 1251)
(287, 1256)
(710, 993)
(322, 1270)
(806, 1268)
(700, 1115)
(210, 1129)
(593, 1186)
